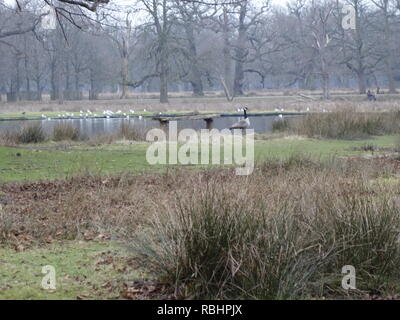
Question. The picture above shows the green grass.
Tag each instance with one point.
(324, 149)
(48, 161)
(34, 164)
(78, 272)
(79, 266)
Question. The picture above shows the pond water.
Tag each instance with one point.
(100, 126)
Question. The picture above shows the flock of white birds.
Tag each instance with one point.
(108, 114)
(89, 114)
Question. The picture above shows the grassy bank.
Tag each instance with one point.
(343, 124)
(283, 232)
(84, 270)
(60, 160)
(114, 227)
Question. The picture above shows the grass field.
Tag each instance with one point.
(115, 227)
(84, 270)
(57, 161)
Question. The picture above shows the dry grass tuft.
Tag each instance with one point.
(346, 124)
(65, 132)
(130, 132)
(283, 232)
(31, 133)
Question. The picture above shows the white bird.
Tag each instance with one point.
(43, 116)
(308, 109)
(144, 110)
(132, 111)
(140, 117)
(243, 123)
(280, 116)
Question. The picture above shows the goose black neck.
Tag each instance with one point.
(245, 113)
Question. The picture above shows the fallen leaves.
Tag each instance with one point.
(140, 290)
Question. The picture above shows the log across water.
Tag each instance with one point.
(208, 118)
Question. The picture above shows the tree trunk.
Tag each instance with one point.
(163, 50)
(77, 81)
(124, 69)
(240, 52)
(60, 93)
(389, 49)
(18, 77)
(226, 55)
(325, 86)
(67, 76)
(93, 89)
(362, 82)
(195, 74)
(390, 77)
(38, 89)
(163, 81)
(53, 83)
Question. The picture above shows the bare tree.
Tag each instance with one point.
(385, 38)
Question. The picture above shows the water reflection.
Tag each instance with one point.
(93, 127)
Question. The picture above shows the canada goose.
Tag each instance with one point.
(243, 123)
